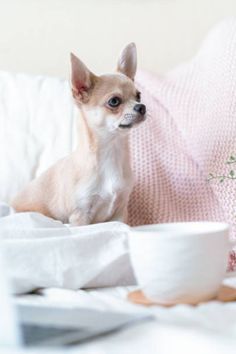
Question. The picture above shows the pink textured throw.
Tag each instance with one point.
(190, 132)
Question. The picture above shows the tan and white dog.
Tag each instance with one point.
(93, 184)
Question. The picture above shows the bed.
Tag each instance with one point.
(184, 134)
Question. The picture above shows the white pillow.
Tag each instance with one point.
(37, 120)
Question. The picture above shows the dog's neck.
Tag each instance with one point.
(99, 145)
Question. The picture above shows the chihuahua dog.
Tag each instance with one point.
(93, 183)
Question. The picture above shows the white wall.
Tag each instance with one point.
(36, 36)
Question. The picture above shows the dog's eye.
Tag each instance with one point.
(138, 96)
(114, 102)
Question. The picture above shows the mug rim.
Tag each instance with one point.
(163, 229)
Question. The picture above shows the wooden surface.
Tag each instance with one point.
(226, 294)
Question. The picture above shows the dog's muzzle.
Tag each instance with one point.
(134, 118)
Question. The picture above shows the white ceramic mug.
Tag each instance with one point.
(180, 262)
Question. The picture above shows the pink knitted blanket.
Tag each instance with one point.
(190, 132)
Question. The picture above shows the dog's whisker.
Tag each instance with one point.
(148, 114)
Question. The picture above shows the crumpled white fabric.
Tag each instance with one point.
(41, 252)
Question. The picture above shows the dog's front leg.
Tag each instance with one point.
(121, 214)
(79, 218)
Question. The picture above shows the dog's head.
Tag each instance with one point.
(109, 102)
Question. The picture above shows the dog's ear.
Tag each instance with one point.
(127, 63)
(82, 79)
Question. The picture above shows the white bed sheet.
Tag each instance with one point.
(42, 253)
(208, 328)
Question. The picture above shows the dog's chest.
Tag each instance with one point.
(103, 192)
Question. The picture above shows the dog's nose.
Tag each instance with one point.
(140, 108)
